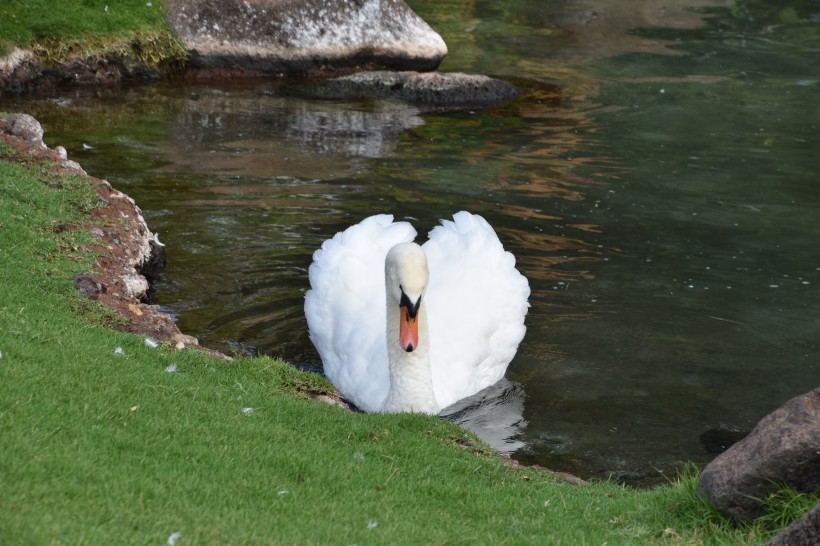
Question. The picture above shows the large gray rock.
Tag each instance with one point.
(302, 36)
(783, 449)
(803, 532)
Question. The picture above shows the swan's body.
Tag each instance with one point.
(406, 328)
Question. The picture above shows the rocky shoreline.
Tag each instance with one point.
(127, 252)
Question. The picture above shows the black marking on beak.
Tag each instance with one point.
(412, 309)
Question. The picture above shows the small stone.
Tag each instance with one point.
(89, 286)
(136, 285)
(26, 127)
(73, 166)
(181, 341)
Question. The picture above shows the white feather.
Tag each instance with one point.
(476, 303)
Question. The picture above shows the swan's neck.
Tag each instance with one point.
(411, 379)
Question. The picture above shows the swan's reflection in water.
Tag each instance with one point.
(495, 415)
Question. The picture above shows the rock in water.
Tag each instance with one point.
(302, 36)
(783, 449)
(452, 89)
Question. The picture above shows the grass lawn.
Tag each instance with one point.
(105, 440)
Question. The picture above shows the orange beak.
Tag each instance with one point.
(408, 330)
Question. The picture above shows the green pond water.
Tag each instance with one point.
(658, 182)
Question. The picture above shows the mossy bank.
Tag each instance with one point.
(78, 42)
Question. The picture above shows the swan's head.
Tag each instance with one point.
(406, 276)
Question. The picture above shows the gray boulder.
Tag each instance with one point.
(781, 450)
(304, 36)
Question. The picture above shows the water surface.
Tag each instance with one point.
(657, 181)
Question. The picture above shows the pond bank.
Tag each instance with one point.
(127, 252)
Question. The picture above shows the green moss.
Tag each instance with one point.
(153, 49)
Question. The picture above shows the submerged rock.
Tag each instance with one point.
(717, 440)
(302, 36)
(427, 88)
(781, 450)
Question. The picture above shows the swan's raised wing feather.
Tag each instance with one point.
(477, 302)
(345, 307)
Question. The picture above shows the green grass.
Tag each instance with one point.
(57, 30)
(99, 446)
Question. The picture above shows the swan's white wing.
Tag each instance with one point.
(476, 304)
(345, 307)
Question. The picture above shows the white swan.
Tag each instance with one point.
(433, 343)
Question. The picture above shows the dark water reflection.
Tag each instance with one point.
(664, 205)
